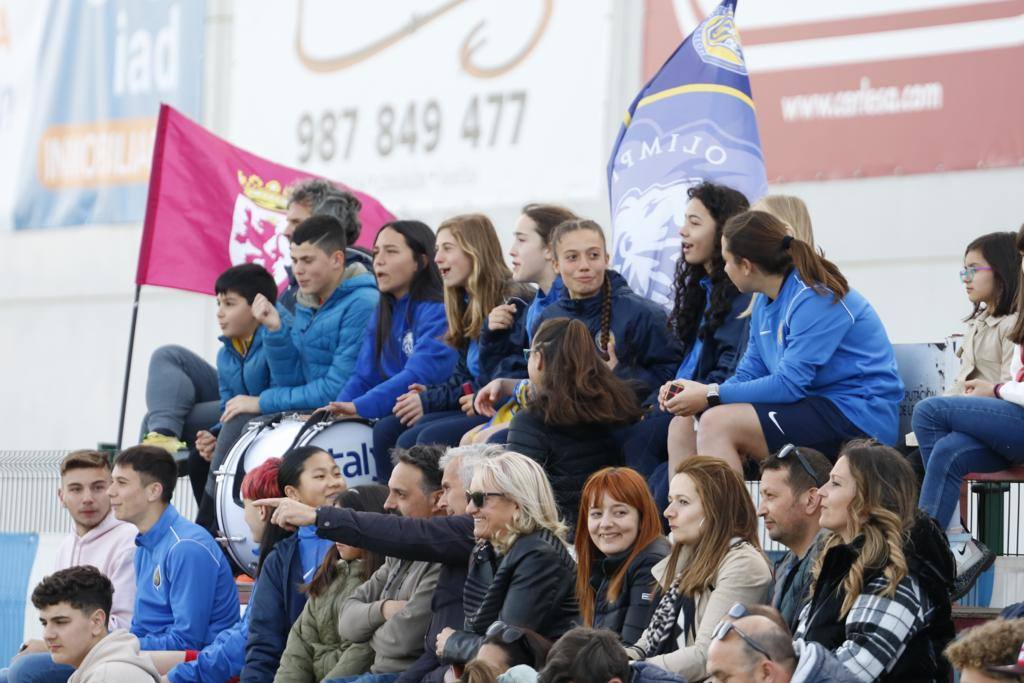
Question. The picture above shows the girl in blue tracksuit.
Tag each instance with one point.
(287, 561)
(476, 280)
(403, 342)
(223, 658)
(818, 370)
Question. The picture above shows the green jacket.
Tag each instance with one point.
(315, 651)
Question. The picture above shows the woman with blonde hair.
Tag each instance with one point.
(880, 587)
(521, 572)
(476, 279)
(716, 561)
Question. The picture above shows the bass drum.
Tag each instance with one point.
(350, 441)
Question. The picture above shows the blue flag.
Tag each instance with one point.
(693, 121)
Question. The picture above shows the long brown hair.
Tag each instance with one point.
(882, 512)
(466, 307)
(547, 217)
(728, 512)
(626, 486)
(577, 386)
(761, 238)
(367, 498)
(560, 232)
(1017, 334)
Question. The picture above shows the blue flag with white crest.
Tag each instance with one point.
(693, 121)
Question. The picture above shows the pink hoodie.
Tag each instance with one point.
(110, 547)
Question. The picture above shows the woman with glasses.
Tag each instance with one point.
(521, 572)
(716, 561)
(572, 407)
(880, 589)
(977, 426)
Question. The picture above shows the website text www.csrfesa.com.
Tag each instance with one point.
(864, 101)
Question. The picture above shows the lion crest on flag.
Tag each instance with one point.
(257, 226)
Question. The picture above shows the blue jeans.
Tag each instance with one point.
(37, 667)
(961, 434)
(366, 678)
(445, 427)
(645, 444)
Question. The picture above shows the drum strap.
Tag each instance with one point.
(318, 416)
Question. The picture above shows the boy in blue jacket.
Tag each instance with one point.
(186, 594)
(312, 355)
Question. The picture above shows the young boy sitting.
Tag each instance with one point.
(74, 605)
(185, 394)
(312, 355)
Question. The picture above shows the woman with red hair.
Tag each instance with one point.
(618, 541)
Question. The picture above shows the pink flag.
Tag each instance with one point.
(212, 205)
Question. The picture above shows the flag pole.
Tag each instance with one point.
(128, 367)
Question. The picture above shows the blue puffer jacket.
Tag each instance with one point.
(416, 354)
(220, 660)
(274, 606)
(239, 375)
(312, 358)
(648, 352)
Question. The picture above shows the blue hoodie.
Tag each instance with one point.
(540, 302)
(312, 357)
(239, 375)
(805, 344)
(220, 660)
(415, 354)
(185, 593)
(647, 350)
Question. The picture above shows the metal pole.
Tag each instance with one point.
(128, 367)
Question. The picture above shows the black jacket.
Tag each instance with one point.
(721, 352)
(931, 563)
(446, 540)
(569, 455)
(532, 586)
(630, 613)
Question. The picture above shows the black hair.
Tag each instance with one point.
(586, 654)
(365, 498)
(84, 588)
(344, 206)
(687, 317)
(530, 648)
(799, 479)
(247, 280)
(426, 283)
(152, 465)
(324, 232)
(425, 458)
(1000, 251)
(292, 465)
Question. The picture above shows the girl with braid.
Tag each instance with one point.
(880, 591)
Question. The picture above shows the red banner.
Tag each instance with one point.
(212, 205)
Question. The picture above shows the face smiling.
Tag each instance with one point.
(496, 514)
(582, 262)
(319, 481)
(454, 263)
(613, 525)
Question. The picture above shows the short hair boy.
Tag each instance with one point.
(74, 605)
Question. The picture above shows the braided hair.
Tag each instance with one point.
(560, 231)
(687, 318)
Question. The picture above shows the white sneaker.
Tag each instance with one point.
(972, 558)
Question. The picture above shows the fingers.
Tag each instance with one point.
(269, 502)
(417, 388)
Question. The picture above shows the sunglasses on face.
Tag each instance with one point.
(724, 628)
(788, 450)
(968, 273)
(478, 498)
(508, 634)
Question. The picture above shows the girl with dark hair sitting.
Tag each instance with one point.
(315, 651)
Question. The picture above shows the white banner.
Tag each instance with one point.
(429, 104)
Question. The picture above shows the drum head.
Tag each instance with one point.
(350, 442)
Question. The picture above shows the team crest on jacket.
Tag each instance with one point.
(257, 226)
(408, 342)
(717, 42)
(156, 577)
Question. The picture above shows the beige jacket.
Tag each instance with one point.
(986, 351)
(116, 659)
(744, 576)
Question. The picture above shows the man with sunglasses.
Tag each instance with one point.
(753, 645)
(790, 506)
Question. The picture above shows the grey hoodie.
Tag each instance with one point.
(116, 659)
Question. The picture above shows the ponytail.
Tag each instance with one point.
(761, 238)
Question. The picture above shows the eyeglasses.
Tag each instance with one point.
(478, 498)
(508, 634)
(738, 611)
(790, 449)
(968, 273)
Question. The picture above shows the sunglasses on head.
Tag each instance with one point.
(478, 498)
(724, 628)
(509, 634)
(788, 450)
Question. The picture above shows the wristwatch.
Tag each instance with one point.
(713, 398)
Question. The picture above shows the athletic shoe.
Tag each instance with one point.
(972, 558)
(170, 444)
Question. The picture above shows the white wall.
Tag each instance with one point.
(66, 301)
